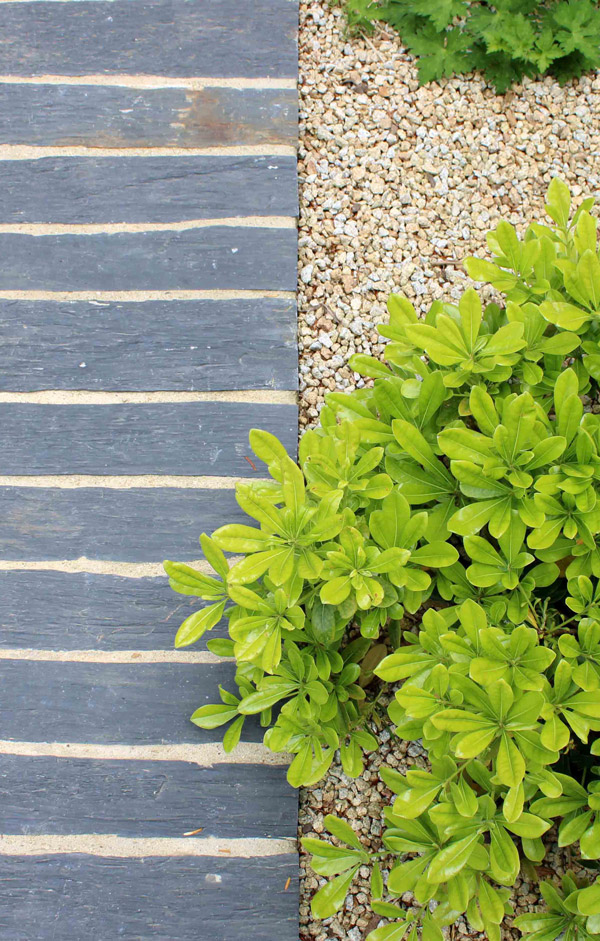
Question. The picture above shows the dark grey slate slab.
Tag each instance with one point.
(45, 795)
(205, 346)
(112, 703)
(116, 117)
(214, 257)
(133, 525)
(210, 38)
(166, 899)
(146, 189)
(193, 438)
(81, 611)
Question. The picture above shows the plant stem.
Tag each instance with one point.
(557, 627)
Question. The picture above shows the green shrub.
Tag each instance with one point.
(441, 531)
(506, 39)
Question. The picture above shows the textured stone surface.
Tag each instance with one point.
(82, 611)
(49, 795)
(399, 183)
(210, 38)
(118, 117)
(110, 257)
(146, 189)
(178, 345)
(141, 524)
(197, 259)
(164, 899)
(189, 438)
(112, 703)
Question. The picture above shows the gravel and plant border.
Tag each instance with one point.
(398, 184)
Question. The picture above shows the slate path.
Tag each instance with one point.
(147, 323)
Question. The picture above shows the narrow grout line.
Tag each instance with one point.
(85, 566)
(206, 755)
(149, 81)
(124, 482)
(219, 294)
(32, 152)
(77, 1)
(139, 847)
(112, 656)
(85, 397)
(110, 228)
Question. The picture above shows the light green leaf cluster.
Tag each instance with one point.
(335, 544)
(572, 914)
(438, 539)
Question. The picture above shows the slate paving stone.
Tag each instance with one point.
(147, 346)
(119, 117)
(113, 703)
(140, 798)
(208, 38)
(187, 438)
(146, 189)
(160, 898)
(201, 259)
(136, 164)
(138, 524)
(84, 611)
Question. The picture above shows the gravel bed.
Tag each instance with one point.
(398, 184)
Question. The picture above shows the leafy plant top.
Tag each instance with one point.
(439, 539)
(505, 40)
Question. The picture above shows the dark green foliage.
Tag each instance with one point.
(505, 40)
(440, 532)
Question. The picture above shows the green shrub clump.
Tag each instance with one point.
(505, 39)
(441, 533)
